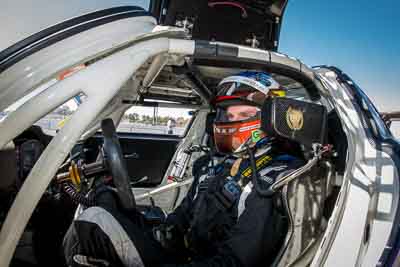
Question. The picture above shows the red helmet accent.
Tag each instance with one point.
(229, 136)
(219, 99)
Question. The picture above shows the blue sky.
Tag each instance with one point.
(361, 37)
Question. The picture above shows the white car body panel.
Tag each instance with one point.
(20, 19)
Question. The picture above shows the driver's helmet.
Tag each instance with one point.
(238, 105)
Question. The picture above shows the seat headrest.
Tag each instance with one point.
(299, 121)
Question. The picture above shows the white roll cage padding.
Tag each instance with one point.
(100, 82)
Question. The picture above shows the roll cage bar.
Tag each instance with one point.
(98, 76)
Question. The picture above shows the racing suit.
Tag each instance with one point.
(222, 221)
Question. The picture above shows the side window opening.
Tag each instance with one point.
(156, 120)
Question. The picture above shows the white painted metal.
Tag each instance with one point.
(182, 47)
(106, 76)
(29, 73)
(344, 241)
(256, 54)
(163, 189)
(21, 18)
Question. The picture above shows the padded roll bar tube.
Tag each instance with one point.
(106, 76)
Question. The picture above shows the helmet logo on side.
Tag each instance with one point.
(294, 118)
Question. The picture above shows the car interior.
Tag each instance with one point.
(305, 202)
(150, 155)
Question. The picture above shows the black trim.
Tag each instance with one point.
(227, 51)
(152, 104)
(143, 136)
(184, 100)
(61, 31)
(206, 49)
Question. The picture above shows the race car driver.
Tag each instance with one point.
(228, 217)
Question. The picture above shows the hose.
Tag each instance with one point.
(230, 3)
(78, 197)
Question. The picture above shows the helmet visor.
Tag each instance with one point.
(230, 136)
(241, 112)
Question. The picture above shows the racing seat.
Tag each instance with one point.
(301, 199)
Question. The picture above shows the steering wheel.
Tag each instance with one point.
(116, 164)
